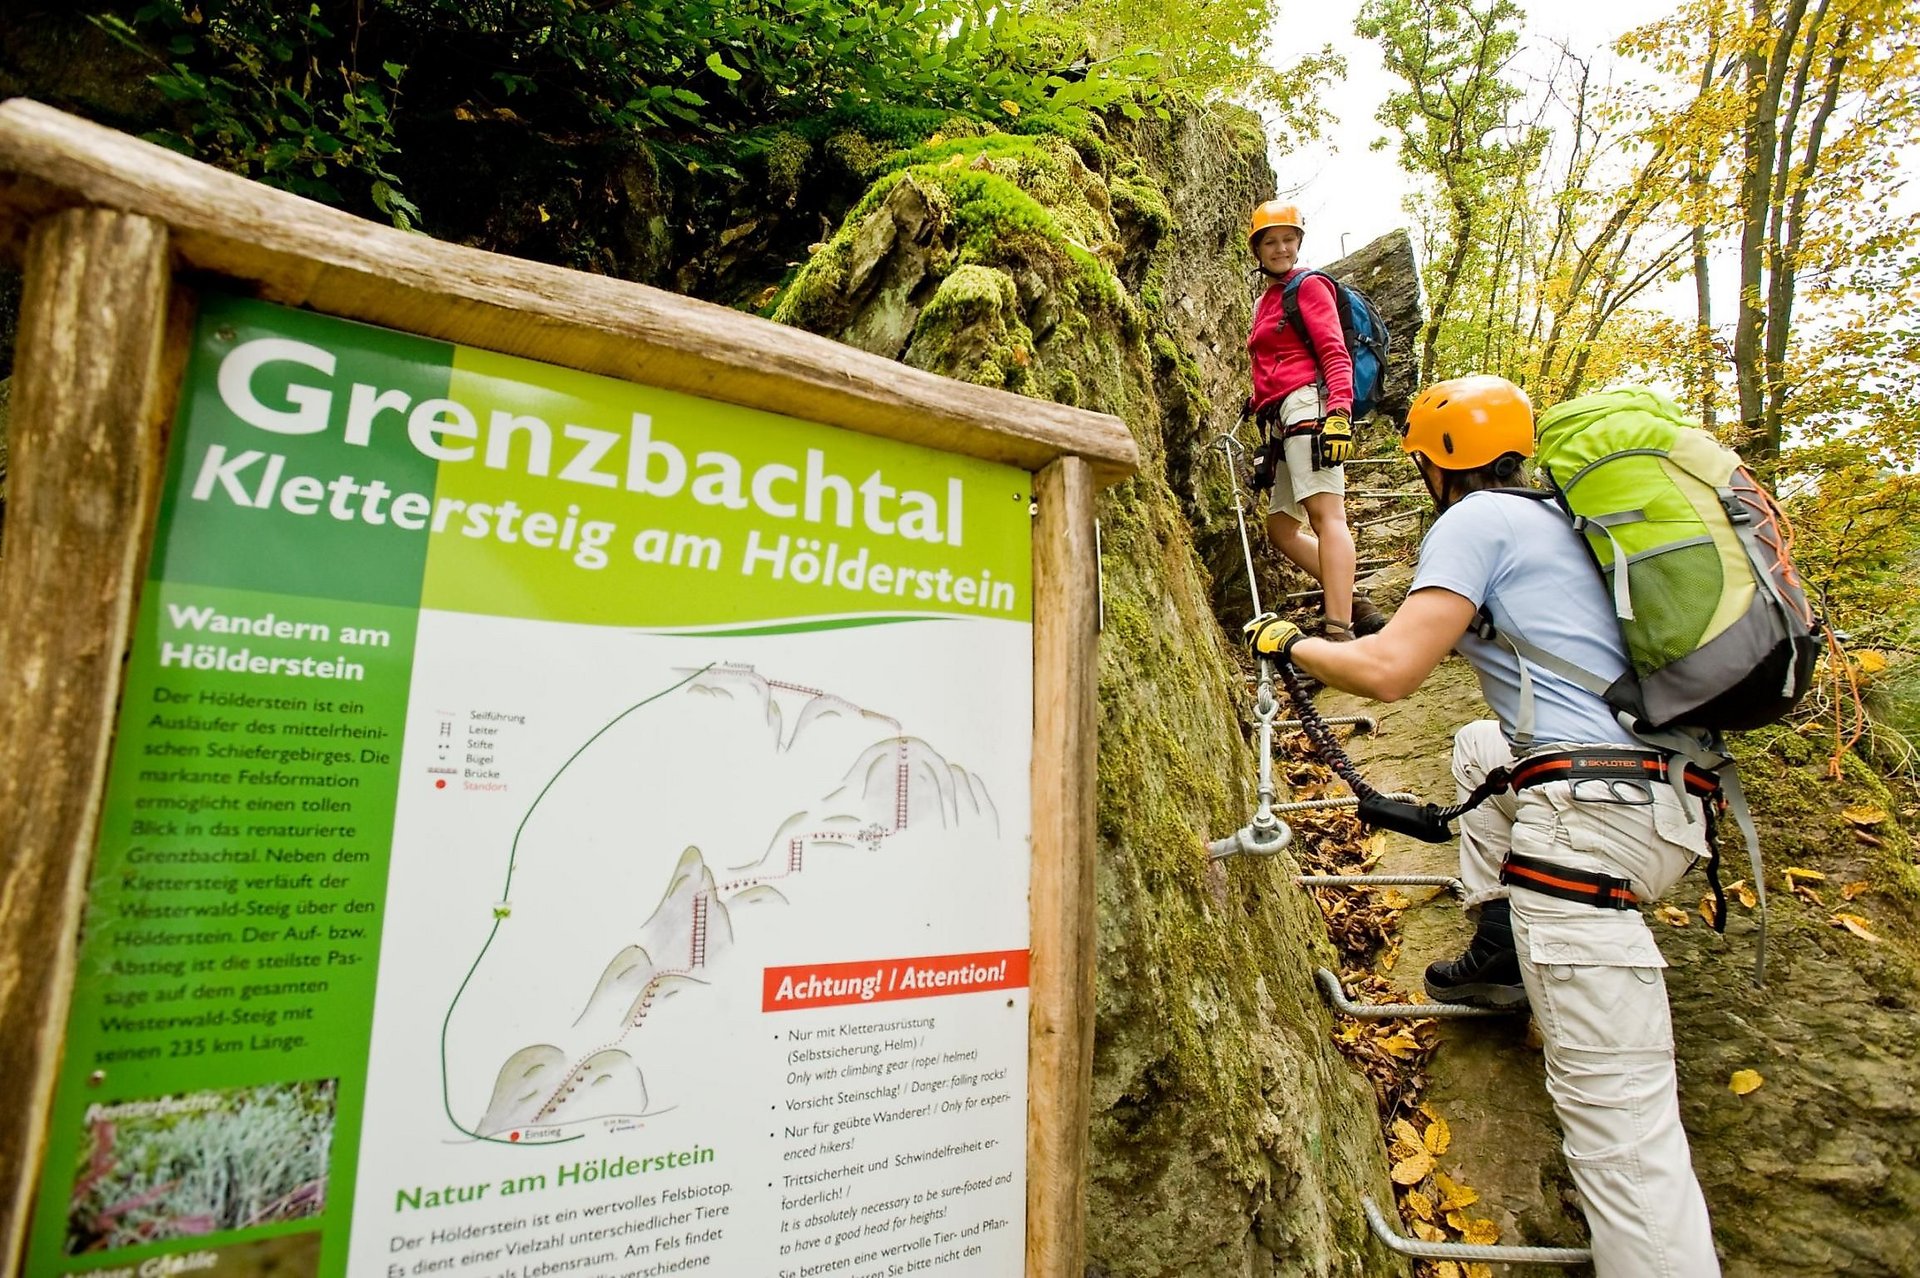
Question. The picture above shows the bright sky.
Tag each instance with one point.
(1346, 189)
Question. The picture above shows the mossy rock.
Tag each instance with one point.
(1229, 1136)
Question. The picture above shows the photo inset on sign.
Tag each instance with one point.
(200, 1163)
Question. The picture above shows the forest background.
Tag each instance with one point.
(1713, 201)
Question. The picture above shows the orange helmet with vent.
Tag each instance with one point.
(1275, 213)
(1469, 422)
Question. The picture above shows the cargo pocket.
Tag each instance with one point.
(1600, 983)
(1670, 820)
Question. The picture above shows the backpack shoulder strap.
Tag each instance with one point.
(1525, 652)
(1290, 303)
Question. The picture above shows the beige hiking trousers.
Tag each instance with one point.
(1594, 979)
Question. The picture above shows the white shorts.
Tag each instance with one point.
(1294, 478)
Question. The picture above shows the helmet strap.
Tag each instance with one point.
(1438, 491)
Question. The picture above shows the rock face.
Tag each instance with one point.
(1229, 1137)
(1387, 272)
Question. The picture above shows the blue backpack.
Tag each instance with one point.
(1360, 324)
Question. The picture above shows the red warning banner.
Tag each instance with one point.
(791, 989)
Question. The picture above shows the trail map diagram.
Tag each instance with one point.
(634, 871)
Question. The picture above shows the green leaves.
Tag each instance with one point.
(266, 92)
(268, 89)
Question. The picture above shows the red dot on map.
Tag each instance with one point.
(515, 1135)
(440, 784)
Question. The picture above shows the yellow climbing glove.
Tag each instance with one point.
(1336, 441)
(1270, 636)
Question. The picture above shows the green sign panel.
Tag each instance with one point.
(554, 826)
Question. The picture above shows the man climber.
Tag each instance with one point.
(1554, 866)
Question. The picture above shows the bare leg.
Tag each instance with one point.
(1295, 542)
(1327, 512)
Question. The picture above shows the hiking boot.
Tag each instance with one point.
(1367, 617)
(1488, 974)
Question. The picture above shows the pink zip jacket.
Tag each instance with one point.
(1282, 363)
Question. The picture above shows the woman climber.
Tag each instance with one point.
(1589, 826)
(1303, 401)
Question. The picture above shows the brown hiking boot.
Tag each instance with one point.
(1367, 617)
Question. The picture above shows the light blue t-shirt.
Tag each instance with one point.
(1522, 561)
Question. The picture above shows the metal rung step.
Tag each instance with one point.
(1364, 722)
(1327, 805)
(1451, 884)
(1480, 1253)
(1316, 805)
(1330, 986)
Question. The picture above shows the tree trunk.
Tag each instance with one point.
(1704, 356)
(1765, 75)
(1449, 283)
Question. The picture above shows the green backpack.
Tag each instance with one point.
(1718, 630)
(1698, 557)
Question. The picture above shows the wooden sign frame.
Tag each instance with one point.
(112, 231)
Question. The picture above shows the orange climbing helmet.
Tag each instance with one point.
(1275, 213)
(1469, 422)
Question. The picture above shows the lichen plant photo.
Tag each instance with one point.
(200, 1163)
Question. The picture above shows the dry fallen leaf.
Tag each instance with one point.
(1811, 876)
(1672, 915)
(1413, 1170)
(1744, 1081)
(1419, 1204)
(1446, 1269)
(1852, 890)
(1395, 900)
(1862, 814)
(1428, 1233)
(1745, 892)
(1481, 1232)
(1869, 661)
(1406, 1139)
(1479, 1271)
(1707, 908)
(1458, 1219)
(1454, 1196)
(1856, 925)
(1437, 1137)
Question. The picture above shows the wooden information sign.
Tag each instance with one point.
(508, 773)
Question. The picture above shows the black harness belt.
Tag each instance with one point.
(1606, 765)
(1585, 886)
(1567, 883)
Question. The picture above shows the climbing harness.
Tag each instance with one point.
(1266, 834)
